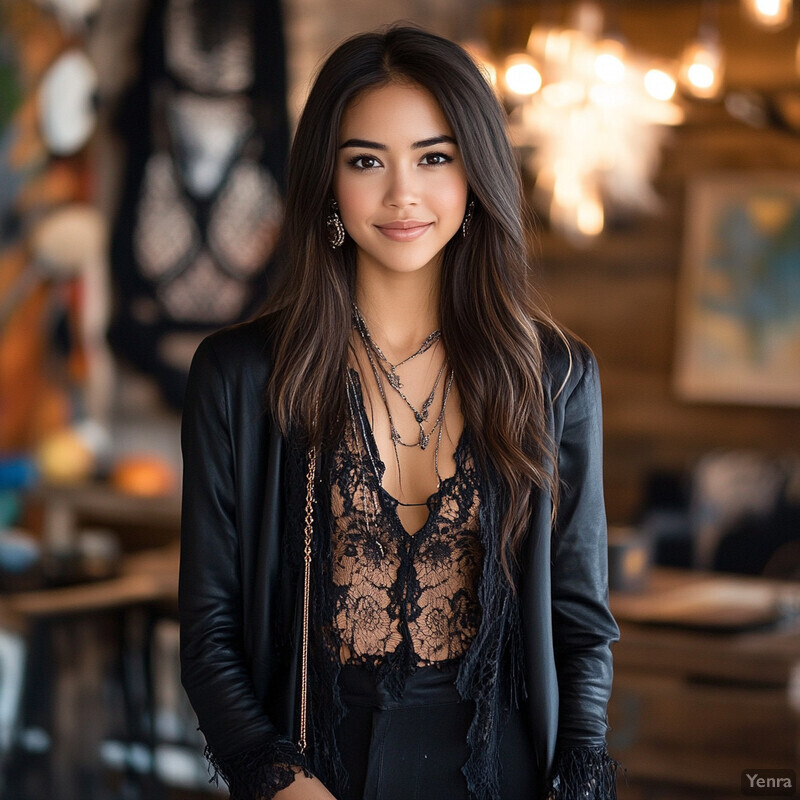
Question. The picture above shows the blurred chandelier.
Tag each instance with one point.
(591, 117)
(589, 114)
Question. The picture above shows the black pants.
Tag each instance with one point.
(414, 749)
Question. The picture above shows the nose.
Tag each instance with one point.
(402, 189)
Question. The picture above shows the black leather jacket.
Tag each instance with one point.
(242, 677)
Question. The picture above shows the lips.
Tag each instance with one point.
(404, 230)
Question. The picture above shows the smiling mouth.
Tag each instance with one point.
(405, 230)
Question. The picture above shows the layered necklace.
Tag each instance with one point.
(382, 369)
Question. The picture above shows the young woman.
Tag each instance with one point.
(406, 405)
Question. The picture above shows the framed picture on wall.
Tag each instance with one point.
(739, 307)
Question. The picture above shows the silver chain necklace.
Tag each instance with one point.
(419, 415)
(391, 375)
(373, 352)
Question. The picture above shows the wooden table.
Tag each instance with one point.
(89, 628)
(145, 577)
(693, 707)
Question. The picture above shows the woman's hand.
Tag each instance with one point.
(304, 789)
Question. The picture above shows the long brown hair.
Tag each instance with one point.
(489, 318)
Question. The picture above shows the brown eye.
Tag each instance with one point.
(364, 162)
(434, 159)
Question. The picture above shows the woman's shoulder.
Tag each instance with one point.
(244, 341)
(565, 358)
(242, 348)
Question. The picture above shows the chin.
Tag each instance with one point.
(403, 259)
(408, 266)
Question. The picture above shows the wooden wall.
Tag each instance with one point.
(621, 296)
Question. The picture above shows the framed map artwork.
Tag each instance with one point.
(739, 308)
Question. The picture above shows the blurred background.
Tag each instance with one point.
(142, 153)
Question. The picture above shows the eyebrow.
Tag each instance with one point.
(415, 146)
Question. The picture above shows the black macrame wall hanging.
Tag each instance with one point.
(207, 136)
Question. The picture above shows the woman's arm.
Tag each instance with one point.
(245, 748)
(583, 628)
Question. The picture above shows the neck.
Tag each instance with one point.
(400, 309)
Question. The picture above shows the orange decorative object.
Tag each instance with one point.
(144, 476)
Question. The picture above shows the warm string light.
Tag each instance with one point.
(660, 83)
(609, 61)
(771, 14)
(521, 75)
(702, 67)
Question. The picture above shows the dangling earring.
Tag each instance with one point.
(467, 219)
(335, 227)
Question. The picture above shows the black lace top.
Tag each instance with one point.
(401, 600)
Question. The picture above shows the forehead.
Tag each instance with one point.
(398, 113)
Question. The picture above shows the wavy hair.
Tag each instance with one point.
(490, 321)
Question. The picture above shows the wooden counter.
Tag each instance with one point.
(705, 687)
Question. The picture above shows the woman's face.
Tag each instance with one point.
(399, 179)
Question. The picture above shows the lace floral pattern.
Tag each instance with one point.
(401, 601)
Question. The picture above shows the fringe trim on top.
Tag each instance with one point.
(491, 671)
(260, 773)
(326, 708)
(584, 773)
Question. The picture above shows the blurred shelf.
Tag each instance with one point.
(100, 501)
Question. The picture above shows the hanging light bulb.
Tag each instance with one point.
(660, 83)
(609, 61)
(589, 217)
(521, 75)
(702, 66)
(772, 14)
(580, 217)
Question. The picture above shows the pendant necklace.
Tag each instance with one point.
(373, 352)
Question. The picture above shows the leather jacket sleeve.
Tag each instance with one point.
(244, 746)
(583, 627)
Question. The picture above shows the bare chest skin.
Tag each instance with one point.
(416, 479)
